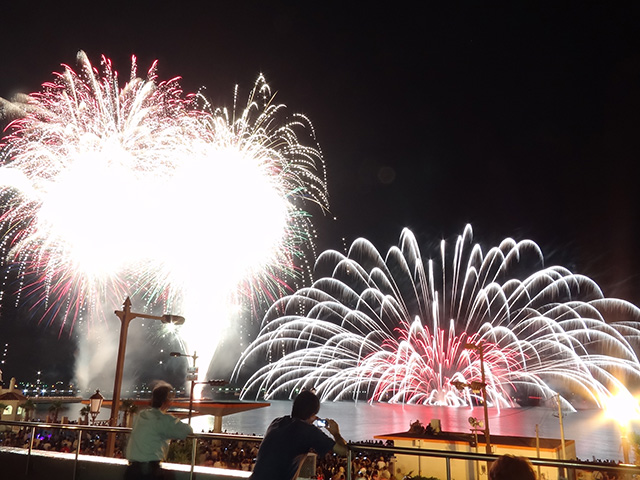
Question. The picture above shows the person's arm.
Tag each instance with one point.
(176, 429)
(184, 429)
(340, 447)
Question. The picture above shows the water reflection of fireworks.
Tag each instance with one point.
(393, 329)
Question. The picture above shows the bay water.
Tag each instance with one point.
(595, 436)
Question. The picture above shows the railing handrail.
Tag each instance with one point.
(108, 429)
(543, 462)
(353, 447)
(66, 426)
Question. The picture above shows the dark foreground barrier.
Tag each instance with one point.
(29, 464)
(41, 465)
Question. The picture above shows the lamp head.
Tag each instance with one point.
(217, 383)
(477, 387)
(175, 319)
(459, 385)
(95, 402)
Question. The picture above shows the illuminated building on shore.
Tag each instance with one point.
(550, 448)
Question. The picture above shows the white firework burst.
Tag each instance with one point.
(395, 328)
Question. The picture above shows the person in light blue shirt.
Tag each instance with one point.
(152, 432)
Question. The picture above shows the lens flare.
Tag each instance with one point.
(622, 408)
(147, 191)
(394, 329)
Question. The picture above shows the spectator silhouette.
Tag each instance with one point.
(508, 467)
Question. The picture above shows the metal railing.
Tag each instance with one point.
(80, 429)
(567, 465)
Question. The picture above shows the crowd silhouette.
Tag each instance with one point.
(230, 453)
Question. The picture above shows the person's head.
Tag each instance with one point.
(508, 467)
(306, 406)
(161, 395)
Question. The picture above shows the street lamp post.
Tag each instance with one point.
(126, 315)
(213, 383)
(475, 428)
(480, 349)
(478, 387)
(95, 403)
(192, 376)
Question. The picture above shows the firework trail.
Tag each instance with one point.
(394, 329)
(145, 190)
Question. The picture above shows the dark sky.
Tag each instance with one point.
(521, 119)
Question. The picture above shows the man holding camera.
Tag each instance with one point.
(290, 438)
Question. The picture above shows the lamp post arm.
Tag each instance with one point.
(126, 315)
(120, 314)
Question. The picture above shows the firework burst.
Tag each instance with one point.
(145, 190)
(394, 329)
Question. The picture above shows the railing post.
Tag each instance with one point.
(193, 456)
(33, 434)
(75, 462)
(448, 459)
(349, 463)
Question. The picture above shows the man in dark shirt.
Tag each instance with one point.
(290, 438)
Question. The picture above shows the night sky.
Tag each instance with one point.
(522, 119)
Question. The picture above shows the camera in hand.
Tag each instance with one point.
(321, 422)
